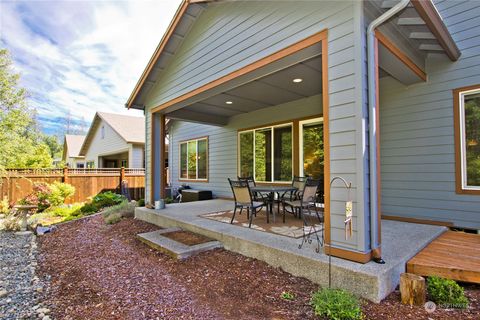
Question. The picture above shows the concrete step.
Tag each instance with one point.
(173, 248)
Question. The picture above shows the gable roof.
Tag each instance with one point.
(190, 10)
(72, 145)
(129, 128)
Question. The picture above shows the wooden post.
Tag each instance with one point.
(412, 289)
(162, 156)
(65, 175)
(122, 177)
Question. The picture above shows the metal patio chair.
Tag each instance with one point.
(243, 199)
(303, 207)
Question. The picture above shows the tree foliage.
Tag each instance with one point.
(22, 143)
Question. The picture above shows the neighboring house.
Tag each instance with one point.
(71, 151)
(276, 89)
(115, 141)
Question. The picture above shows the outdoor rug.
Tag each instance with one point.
(293, 227)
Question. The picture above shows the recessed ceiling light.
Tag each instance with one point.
(229, 102)
(297, 80)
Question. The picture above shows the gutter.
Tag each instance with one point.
(372, 123)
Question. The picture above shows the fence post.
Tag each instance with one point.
(65, 175)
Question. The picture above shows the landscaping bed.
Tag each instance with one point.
(186, 237)
(101, 271)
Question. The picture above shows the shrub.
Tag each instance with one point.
(107, 199)
(336, 304)
(141, 203)
(286, 295)
(67, 211)
(116, 213)
(4, 206)
(89, 208)
(446, 292)
(11, 223)
(60, 192)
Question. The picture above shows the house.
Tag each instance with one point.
(384, 94)
(115, 141)
(71, 151)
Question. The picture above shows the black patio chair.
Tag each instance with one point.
(303, 207)
(299, 184)
(243, 199)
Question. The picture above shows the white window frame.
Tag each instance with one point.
(463, 147)
(180, 178)
(300, 141)
(272, 151)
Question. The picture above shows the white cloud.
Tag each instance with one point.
(82, 56)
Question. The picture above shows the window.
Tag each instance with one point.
(80, 165)
(311, 148)
(194, 159)
(90, 164)
(103, 132)
(266, 153)
(467, 118)
(124, 163)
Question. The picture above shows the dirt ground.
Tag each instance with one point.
(100, 271)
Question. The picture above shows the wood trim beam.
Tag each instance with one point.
(326, 140)
(153, 142)
(458, 136)
(387, 43)
(305, 43)
(348, 255)
(419, 221)
(427, 11)
(199, 117)
(158, 51)
(163, 134)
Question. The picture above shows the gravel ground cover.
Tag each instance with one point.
(101, 271)
(20, 289)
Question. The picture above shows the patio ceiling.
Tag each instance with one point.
(269, 90)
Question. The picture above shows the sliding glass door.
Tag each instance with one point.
(311, 148)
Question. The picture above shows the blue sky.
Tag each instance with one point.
(78, 57)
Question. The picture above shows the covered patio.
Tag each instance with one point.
(401, 241)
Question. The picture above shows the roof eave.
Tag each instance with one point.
(428, 12)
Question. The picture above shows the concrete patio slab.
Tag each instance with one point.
(400, 242)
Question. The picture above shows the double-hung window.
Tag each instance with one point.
(467, 144)
(194, 159)
(266, 153)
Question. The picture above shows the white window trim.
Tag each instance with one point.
(286, 124)
(180, 178)
(463, 149)
(300, 141)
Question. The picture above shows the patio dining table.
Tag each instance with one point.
(272, 190)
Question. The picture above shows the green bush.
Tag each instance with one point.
(141, 203)
(67, 211)
(446, 292)
(336, 304)
(89, 208)
(4, 206)
(114, 214)
(286, 295)
(60, 192)
(107, 199)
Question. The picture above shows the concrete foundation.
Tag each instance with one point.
(400, 242)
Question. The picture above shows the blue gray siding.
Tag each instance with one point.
(230, 35)
(417, 137)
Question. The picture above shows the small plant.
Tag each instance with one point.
(107, 199)
(88, 208)
(116, 213)
(67, 211)
(336, 304)
(4, 206)
(286, 295)
(446, 292)
(60, 192)
(11, 223)
(141, 203)
(168, 200)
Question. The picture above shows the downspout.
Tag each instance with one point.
(372, 123)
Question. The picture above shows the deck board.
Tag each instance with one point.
(453, 255)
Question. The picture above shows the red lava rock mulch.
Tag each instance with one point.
(186, 237)
(101, 271)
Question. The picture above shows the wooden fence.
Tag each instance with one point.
(18, 183)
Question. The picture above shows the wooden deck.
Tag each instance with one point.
(453, 255)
